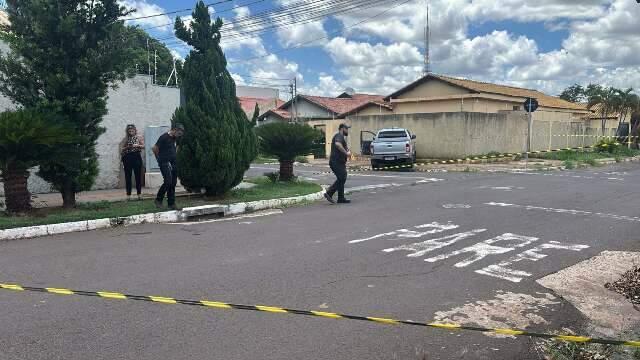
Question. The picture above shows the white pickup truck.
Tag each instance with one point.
(393, 146)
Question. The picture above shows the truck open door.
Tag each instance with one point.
(366, 138)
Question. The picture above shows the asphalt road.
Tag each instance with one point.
(350, 259)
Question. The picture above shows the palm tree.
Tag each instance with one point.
(606, 97)
(286, 141)
(25, 139)
(626, 98)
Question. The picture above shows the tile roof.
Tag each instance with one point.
(596, 112)
(284, 114)
(248, 104)
(386, 105)
(340, 106)
(483, 87)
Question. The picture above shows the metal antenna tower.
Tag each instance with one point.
(427, 43)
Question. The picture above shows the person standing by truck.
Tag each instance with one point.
(338, 163)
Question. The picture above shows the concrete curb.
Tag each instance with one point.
(152, 218)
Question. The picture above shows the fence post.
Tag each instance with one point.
(550, 139)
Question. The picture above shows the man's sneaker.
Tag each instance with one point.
(174, 208)
(344, 201)
(158, 204)
(329, 198)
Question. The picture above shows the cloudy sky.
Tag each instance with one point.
(542, 44)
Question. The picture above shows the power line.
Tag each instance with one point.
(322, 37)
(238, 36)
(174, 12)
(217, 12)
(273, 14)
(261, 78)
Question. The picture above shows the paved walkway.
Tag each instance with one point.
(112, 195)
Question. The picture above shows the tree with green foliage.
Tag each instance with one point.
(574, 93)
(256, 115)
(143, 58)
(26, 137)
(219, 142)
(286, 141)
(64, 57)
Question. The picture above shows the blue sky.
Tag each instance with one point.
(547, 44)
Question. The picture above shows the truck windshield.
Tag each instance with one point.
(393, 135)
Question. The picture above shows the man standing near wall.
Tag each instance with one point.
(338, 163)
(165, 151)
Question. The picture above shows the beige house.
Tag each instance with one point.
(457, 117)
(440, 94)
(452, 117)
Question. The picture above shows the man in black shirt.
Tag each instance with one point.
(165, 151)
(338, 163)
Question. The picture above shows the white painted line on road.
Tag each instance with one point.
(502, 270)
(565, 211)
(399, 177)
(370, 187)
(421, 248)
(471, 254)
(486, 248)
(406, 233)
(502, 188)
(568, 176)
(456, 206)
(245, 216)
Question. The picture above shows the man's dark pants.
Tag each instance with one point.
(340, 170)
(169, 173)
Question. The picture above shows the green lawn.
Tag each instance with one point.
(589, 157)
(261, 159)
(100, 210)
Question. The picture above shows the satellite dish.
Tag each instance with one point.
(349, 91)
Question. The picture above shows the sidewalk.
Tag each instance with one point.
(111, 195)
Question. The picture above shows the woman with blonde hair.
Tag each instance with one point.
(131, 151)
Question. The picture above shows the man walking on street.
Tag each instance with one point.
(338, 163)
(165, 151)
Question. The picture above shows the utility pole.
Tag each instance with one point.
(294, 101)
(155, 66)
(173, 72)
(427, 44)
(148, 58)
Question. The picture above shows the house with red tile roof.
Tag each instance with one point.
(311, 108)
(248, 104)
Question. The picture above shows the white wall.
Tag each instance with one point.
(137, 101)
(258, 92)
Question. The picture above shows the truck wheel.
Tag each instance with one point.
(374, 164)
(410, 163)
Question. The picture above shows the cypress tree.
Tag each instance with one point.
(219, 142)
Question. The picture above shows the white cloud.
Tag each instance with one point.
(490, 54)
(611, 40)
(143, 8)
(312, 32)
(234, 37)
(530, 11)
(327, 86)
(350, 53)
(176, 55)
(242, 11)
